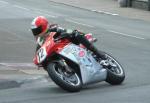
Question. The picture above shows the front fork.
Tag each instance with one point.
(67, 68)
(63, 63)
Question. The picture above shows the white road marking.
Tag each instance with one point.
(48, 12)
(20, 7)
(108, 13)
(73, 21)
(18, 36)
(4, 2)
(104, 12)
(18, 65)
(41, 13)
(126, 34)
(36, 11)
(39, 79)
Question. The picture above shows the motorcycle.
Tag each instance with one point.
(72, 66)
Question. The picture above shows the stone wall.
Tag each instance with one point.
(141, 4)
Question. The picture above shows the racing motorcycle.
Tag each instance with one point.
(72, 66)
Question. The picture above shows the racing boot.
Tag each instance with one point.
(103, 58)
(97, 52)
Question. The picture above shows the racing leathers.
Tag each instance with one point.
(75, 37)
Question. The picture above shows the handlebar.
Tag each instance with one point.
(62, 36)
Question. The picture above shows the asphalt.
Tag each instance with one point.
(7, 83)
(111, 7)
(126, 39)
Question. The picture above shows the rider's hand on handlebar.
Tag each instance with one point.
(68, 35)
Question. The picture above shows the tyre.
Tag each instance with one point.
(70, 82)
(115, 72)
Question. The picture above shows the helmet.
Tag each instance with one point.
(39, 25)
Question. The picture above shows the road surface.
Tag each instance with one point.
(126, 39)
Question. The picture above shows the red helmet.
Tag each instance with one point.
(39, 25)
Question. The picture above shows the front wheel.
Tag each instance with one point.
(67, 81)
(115, 72)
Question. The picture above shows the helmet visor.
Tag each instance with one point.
(36, 31)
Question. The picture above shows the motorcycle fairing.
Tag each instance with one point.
(91, 70)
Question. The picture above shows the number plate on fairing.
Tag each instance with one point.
(41, 55)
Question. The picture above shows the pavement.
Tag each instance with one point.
(13, 77)
(108, 7)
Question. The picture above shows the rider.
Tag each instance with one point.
(41, 28)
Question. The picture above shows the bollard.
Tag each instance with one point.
(148, 5)
(129, 3)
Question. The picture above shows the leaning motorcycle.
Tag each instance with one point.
(72, 66)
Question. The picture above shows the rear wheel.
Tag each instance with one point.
(115, 72)
(66, 80)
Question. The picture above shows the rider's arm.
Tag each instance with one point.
(37, 47)
(40, 41)
(56, 28)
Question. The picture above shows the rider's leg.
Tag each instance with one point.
(81, 39)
